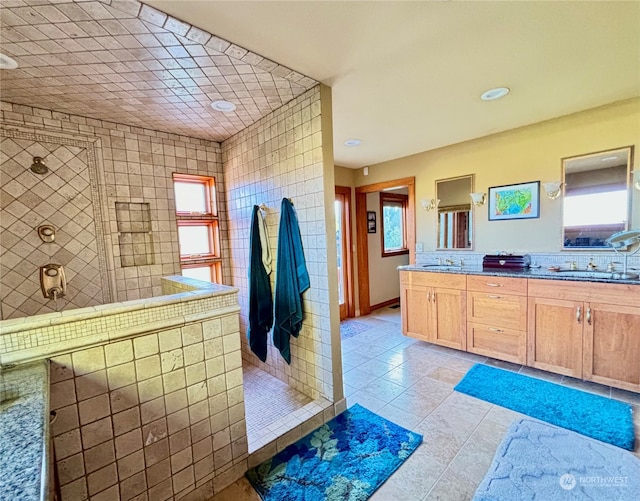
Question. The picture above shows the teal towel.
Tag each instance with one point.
(292, 279)
(260, 301)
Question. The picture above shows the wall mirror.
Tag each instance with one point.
(455, 225)
(598, 198)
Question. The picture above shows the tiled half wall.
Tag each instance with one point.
(93, 165)
(159, 415)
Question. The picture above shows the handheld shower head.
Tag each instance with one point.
(38, 166)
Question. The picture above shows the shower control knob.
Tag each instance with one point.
(47, 233)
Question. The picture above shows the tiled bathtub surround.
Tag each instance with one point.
(284, 155)
(132, 166)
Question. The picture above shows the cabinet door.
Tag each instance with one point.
(612, 345)
(449, 318)
(555, 335)
(415, 307)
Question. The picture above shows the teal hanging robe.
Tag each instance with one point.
(292, 279)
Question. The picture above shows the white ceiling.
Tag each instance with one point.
(407, 76)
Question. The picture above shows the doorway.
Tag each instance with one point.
(362, 231)
(342, 208)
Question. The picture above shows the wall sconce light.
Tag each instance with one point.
(430, 205)
(553, 189)
(478, 199)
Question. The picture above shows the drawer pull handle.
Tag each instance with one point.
(495, 297)
(495, 330)
(494, 285)
(578, 314)
(428, 295)
(589, 315)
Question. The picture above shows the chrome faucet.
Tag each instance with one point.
(591, 266)
(449, 262)
(611, 266)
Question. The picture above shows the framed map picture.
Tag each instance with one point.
(514, 201)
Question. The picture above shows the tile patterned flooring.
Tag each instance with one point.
(411, 383)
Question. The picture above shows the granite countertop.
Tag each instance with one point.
(24, 431)
(542, 273)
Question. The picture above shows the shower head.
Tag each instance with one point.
(38, 166)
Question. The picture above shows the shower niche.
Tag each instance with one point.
(135, 238)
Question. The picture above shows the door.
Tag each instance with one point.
(555, 335)
(416, 312)
(612, 345)
(449, 318)
(342, 208)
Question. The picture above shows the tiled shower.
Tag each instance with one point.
(108, 195)
(108, 191)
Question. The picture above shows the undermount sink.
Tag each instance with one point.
(590, 274)
(442, 266)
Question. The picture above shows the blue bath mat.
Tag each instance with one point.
(538, 461)
(591, 415)
(347, 458)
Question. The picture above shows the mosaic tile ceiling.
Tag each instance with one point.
(126, 62)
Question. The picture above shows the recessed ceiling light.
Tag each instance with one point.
(353, 142)
(6, 63)
(224, 106)
(496, 93)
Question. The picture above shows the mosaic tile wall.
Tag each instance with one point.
(63, 198)
(134, 166)
(282, 156)
(160, 415)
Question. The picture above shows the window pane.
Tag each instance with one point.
(200, 273)
(608, 207)
(194, 240)
(190, 197)
(392, 214)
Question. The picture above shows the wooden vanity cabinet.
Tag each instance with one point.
(433, 307)
(586, 330)
(497, 317)
(592, 333)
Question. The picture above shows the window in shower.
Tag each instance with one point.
(198, 227)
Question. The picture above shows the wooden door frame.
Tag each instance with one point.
(362, 235)
(348, 243)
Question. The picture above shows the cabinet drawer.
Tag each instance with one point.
(504, 344)
(441, 280)
(497, 310)
(497, 285)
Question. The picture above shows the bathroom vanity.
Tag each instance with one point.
(580, 327)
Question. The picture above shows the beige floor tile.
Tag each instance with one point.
(240, 490)
(452, 487)
(411, 383)
(446, 375)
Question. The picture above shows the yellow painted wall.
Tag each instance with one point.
(529, 153)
